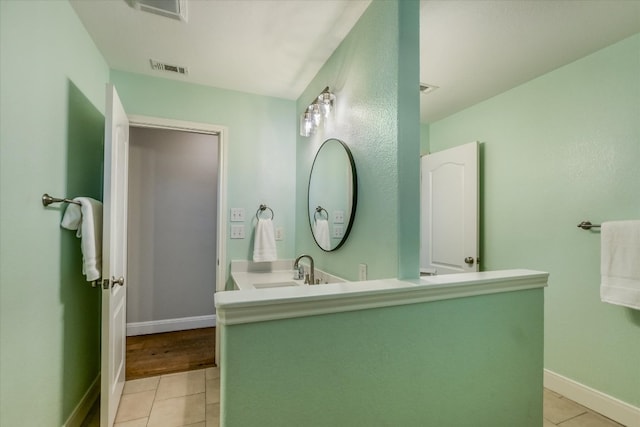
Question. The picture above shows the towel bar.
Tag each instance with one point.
(586, 225)
(47, 200)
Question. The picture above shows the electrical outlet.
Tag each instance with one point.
(362, 272)
(338, 217)
(279, 232)
(237, 231)
(338, 231)
(237, 214)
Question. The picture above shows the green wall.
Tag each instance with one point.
(374, 73)
(261, 145)
(51, 130)
(424, 138)
(463, 362)
(560, 149)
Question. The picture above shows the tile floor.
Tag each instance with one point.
(186, 399)
(560, 411)
(192, 399)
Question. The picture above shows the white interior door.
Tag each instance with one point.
(449, 210)
(114, 257)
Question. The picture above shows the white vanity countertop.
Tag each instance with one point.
(246, 306)
(245, 281)
(249, 276)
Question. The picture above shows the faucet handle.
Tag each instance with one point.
(306, 279)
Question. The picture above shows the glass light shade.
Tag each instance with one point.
(316, 113)
(326, 100)
(307, 127)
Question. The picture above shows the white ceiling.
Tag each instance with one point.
(475, 49)
(471, 49)
(266, 47)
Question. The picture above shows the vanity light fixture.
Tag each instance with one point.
(317, 112)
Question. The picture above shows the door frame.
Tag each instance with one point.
(221, 132)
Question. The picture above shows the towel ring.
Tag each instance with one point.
(319, 210)
(261, 209)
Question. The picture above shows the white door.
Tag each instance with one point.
(449, 210)
(114, 257)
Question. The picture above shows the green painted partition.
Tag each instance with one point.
(473, 361)
(374, 73)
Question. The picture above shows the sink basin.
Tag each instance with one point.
(274, 285)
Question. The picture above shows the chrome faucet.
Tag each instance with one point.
(311, 270)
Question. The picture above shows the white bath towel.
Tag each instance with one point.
(620, 263)
(264, 242)
(87, 219)
(321, 233)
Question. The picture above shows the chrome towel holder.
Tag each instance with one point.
(261, 209)
(586, 225)
(319, 210)
(47, 200)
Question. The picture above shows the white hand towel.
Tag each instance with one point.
(321, 233)
(87, 219)
(620, 263)
(264, 243)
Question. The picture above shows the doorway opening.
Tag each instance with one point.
(174, 216)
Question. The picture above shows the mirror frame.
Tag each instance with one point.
(354, 197)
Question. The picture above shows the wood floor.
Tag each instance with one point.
(169, 352)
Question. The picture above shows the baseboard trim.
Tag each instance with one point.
(602, 403)
(84, 406)
(170, 325)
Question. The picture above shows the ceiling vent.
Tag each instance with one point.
(426, 88)
(159, 66)
(174, 9)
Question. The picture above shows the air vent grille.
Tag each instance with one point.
(174, 9)
(159, 66)
(426, 88)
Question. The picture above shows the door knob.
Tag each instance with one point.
(469, 260)
(115, 281)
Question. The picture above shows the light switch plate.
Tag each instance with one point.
(237, 231)
(338, 231)
(279, 232)
(237, 214)
(338, 217)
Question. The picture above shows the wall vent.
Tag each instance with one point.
(159, 66)
(174, 9)
(426, 88)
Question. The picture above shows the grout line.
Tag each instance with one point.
(569, 419)
(153, 403)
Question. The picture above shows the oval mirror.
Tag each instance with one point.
(333, 193)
